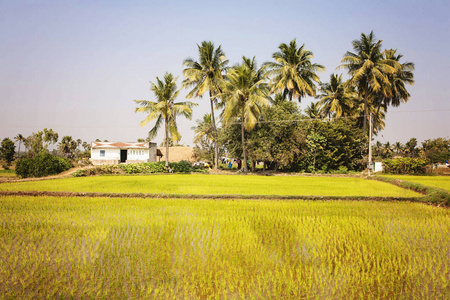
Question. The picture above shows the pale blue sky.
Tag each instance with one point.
(76, 66)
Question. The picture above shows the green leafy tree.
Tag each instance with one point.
(436, 150)
(246, 93)
(7, 151)
(164, 110)
(294, 75)
(204, 76)
(315, 142)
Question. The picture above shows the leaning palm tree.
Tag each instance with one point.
(368, 68)
(294, 75)
(204, 76)
(246, 93)
(336, 97)
(164, 110)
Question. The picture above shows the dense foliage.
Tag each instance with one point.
(42, 164)
(141, 168)
(285, 140)
(7, 150)
(405, 165)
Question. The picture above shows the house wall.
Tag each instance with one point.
(137, 156)
(112, 157)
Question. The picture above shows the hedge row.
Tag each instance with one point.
(141, 168)
(405, 165)
(433, 195)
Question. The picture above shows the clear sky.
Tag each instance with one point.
(76, 66)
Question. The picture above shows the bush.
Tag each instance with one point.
(142, 168)
(405, 165)
(41, 165)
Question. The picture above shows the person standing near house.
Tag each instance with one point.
(239, 163)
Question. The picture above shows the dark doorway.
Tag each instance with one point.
(123, 156)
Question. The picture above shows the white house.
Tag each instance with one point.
(113, 153)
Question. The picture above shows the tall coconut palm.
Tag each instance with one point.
(204, 76)
(336, 97)
(246, 93)
(204, 134)
(368, 68)
(164, 110)
(294, 75)
(19, 138)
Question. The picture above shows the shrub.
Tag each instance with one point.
(142, 168)
(41, 165)
(405, 165)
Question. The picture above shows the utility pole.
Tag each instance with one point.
(369, 166)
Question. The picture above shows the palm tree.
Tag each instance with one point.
(398, 147)
(165, 110)
(368, 67)
(67, 146)
(294, 73)
(19, 138)
(245, 92)
(312, 111)
(336, 97)
(204, 76)
(396, 92)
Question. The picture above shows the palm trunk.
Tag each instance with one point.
(365, 108)
(244, 151)
(216, 145)
(166, 138)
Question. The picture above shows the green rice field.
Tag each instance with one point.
(102, 248)
(442, 182)
(217, 185)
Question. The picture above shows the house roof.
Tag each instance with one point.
(120, 145)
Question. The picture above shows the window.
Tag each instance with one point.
(102, 153)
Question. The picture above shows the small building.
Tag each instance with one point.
(113, 153)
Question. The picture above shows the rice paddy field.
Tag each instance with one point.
(217, 185)
(105, 248)
(442, 182)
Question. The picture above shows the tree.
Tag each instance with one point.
(398, 148)
(50, 137)
(336, 98)
(368, 68)
(312, 111)
(204, 136)
(19, 138)
(396, 92)
(67, 146)
(436, 150)
(205, 75)
(411, 147)
(315, 142)
(294, 75)
(246, 93)
(164, 110)
(7, 151)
